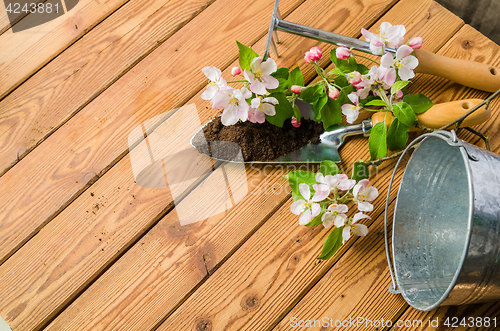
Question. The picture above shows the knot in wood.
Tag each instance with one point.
(204, 325)
(467, 44)
(249, 302)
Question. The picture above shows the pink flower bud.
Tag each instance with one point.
(353, 78)
(416, 42)
(333, 93)
(314, 54)
(295, 123)
(235, 71)
(343, 53)
(296, 89)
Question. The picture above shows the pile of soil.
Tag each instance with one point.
(263, 142)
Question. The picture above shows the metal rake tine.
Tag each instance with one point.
(275, 37)
(272, 27)
(275, 49)
(275, 32)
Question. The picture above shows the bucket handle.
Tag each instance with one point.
(452, 139)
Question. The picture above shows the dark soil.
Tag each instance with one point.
(261, 142)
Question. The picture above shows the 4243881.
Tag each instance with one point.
(40, 8)
(454, 322)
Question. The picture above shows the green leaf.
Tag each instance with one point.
(376, 102)
(331, 114)
(296, 77)
(318, 106)
(360, 171)
(377, 143)
(316, 221)
(404, 113)
(247, 54)
(418, 102)
(283, 109)
(362, 69)
(344, 65)
(328, 167)
(342, 82)
(399, 85)
(281, 73)
(300, 176)
(312, 93)
(332, 244)
(282, 76)
(342, 99)
(397, 137)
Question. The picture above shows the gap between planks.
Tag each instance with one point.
(8, 24)
(468, 92)
(102, 89)
(11, 87)
(112, 162)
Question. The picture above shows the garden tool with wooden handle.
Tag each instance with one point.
(330, 141)
(469, 73)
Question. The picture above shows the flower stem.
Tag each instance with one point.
(392, 156)
(364, 57)
(238, 81)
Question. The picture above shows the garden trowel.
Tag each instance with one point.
(330, 141)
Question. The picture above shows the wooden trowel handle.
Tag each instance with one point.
(469, 73)
(444, 113)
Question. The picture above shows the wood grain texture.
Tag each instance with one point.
(47, 180)
(163, 266)
(480, 14)
(490, 310)
(5, 23)
(226, 313)
(274, 267)
(304, 310)
(61, 286)
(21, 56)
(467, 44)
(65, 256)
(30, 113)
(221, 242)
(349, 290)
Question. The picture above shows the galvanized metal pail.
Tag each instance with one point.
(446, 225)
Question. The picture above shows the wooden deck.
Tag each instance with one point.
(83, 246)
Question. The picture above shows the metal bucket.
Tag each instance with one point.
(446, 225)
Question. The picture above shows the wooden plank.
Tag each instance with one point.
(273, 290)
(6, 23)
(65, 164)
(478, 312)
(163, 267)
(354, 288)
(30, 113)
(468, 44)
(364, 289)
(260, 280)
(332, 304)
(22, 54)
(124, 307)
